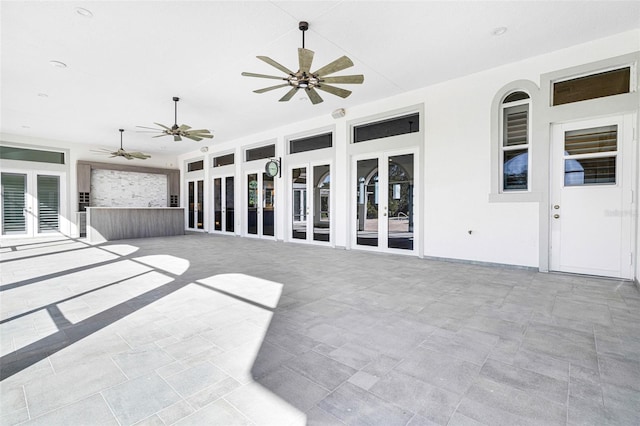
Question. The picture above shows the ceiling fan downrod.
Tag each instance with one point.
(121, 131)
(175, 110)
(303, 26)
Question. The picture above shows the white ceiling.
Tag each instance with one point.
(127, 61)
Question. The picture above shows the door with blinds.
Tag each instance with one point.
(591, 198)
(31, 203)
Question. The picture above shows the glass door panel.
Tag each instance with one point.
(14, 188)
(200, 204)
(192, 205)
(252, 203)
(299, 211)
(217, 204)
(321, 203)
(400, 201)
(268, 219)
(230, 204)
(367, 202)
(48, 203)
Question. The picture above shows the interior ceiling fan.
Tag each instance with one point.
(122, 153)
(307, 80)
(178, 132)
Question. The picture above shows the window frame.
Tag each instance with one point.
(503, 109)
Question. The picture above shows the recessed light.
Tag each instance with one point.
(43, 95)
(86, 13)
(499, 31)
(58, 64)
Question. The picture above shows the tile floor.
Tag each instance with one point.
(215, 330)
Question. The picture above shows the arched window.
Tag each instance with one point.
(515, 136)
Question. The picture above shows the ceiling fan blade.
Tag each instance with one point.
(199, 131)
(252, 74)
(266, 89)
(338, 65)
(177, 138)
(161, 135)
(145, 127)
(183, 127)
(275, 64)
(192, 137)
(314, 97)
(343, 93)
(344, 79)
(139, 155)
(163, 126)
(305, 57)
(289, 94)
(200, 135)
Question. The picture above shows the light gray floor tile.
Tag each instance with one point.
(175, 412)
(356, 406)
(322, 370)
(213, 392)
(264, 407)
(527, 381)
(142, 360)
(139, 398)
(498, 404)
(287, 384)
(217, 413)
(93, 409)
(195, 379)
(620, 371)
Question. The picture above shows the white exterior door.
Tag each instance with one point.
(591, 197)
(33, 203)
(260, 197)
(223, 204)
(310, 202)
(385, 199)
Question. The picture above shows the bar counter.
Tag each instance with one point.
(118, 223)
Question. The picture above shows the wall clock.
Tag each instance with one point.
(272, 168)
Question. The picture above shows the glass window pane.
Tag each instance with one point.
(252, 203)
(367, 202)
(588, 141)
(48, 203)
(14, 187)
(592, 86)
(223, 160)
(268, 151)
(386, 128)
(192, 205)
(515, 96)
(230, 204)
(268, 217)
(217, 204)
(322, 203)
(195, 166)
(590, 171)
(400, 201)
(200, 204)
(299, 195)
(311, 143)
(515, 169)
(11, 153)
(516, 122)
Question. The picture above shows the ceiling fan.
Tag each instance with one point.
(307, 80)
(178, 132)
(122, 153)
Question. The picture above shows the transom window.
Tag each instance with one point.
(223, 160)
(385, 128)
(311, 143)
(515, 135)
(592, 86)
(267, 151)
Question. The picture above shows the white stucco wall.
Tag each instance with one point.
(115, 188)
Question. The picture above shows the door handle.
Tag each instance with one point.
(556, 207)
(556, 216)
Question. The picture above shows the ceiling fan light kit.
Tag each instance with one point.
(307, 80)
(181, 131)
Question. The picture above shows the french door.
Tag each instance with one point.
(32, 203)
(310, 201)
(260, 212)
(195, 192)
(591, 197)
(384, 193)
(223, 204)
